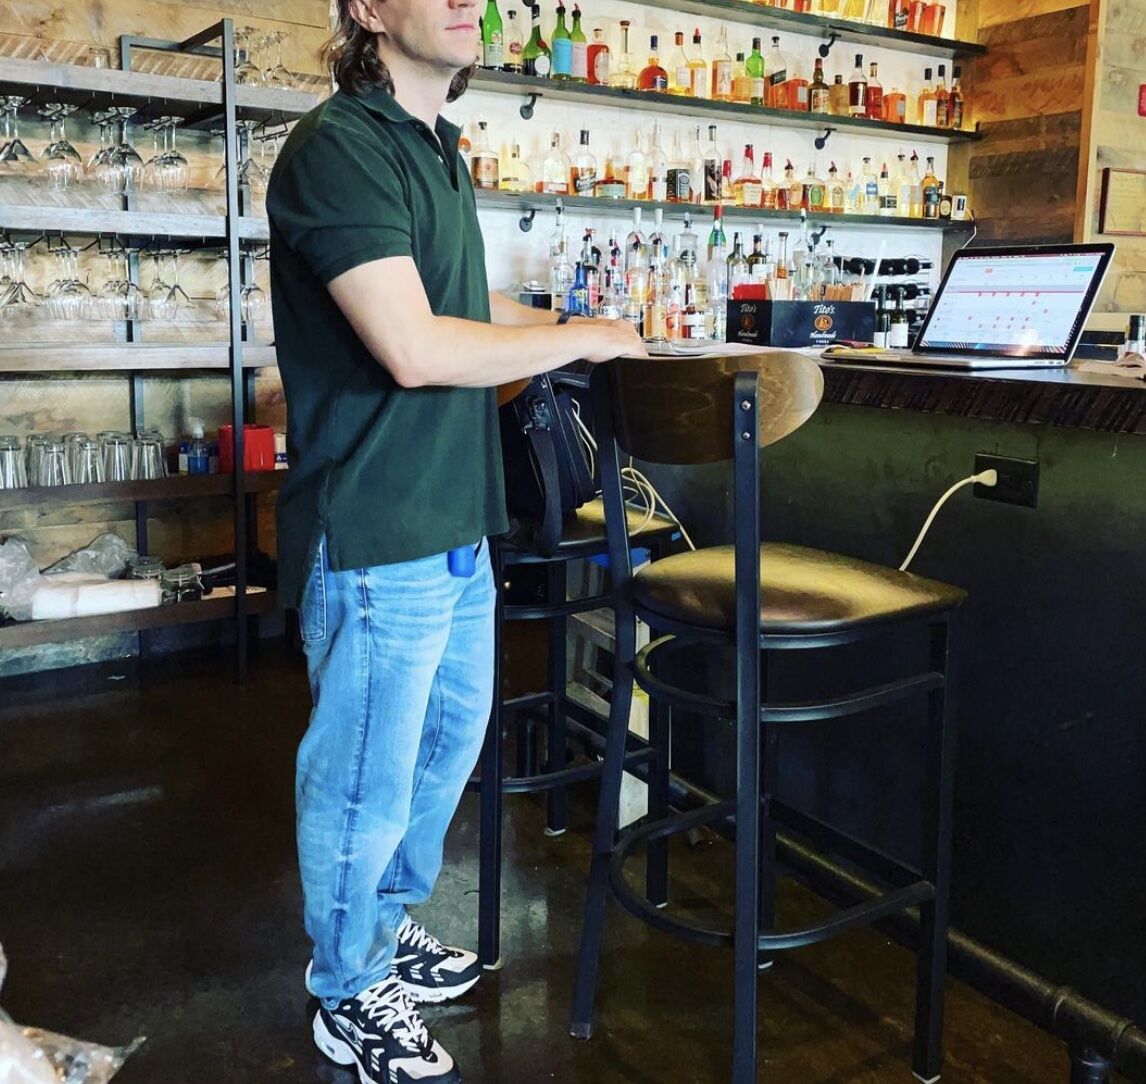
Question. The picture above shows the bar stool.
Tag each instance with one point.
(583, 537)
(755, 600)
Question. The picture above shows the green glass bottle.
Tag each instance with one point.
(492, 38)
(580, 49)
(754, 66)
(562, 48)
(535, 55)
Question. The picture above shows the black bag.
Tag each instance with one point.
(547, 475)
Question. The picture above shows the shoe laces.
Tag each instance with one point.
(415, 935)
(388, 1005)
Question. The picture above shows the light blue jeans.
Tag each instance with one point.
(401, 665)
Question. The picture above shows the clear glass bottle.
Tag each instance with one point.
(658, 167)
(717, 240)
(819, 93)
(739, 270)
(722, 69)
(857, 90)
(653, 76)
(485, 162)
(637, 170)
(679, 186)
(768, 186)
(636, 251)
(516, 176)
(624, 73)
(599, 58)
(895, 106)
(556, 169)
(958, 102)
(758, 261)
(870, 180)
(874, 94)
(585, 173)
(679, 75)
(689, 243)
(514, 45)
(932, 191)
(561, 268)
(888, 194)
(696, 171)
(777, 73)
(741, 81)
(838, 97)
(942, 100)
(713, 167)
(747, 189)
(926, 112)
(837, 195)
(698, 68)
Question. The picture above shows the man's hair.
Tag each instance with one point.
(351, 54)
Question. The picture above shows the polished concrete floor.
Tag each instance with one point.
(147, 886)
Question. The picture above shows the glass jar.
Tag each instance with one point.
(182, 584)
(147, 568)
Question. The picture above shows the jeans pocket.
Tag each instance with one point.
(312, 612)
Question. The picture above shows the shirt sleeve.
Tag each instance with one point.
(339, 203)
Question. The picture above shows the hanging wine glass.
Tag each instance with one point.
(67, 298)
(14, 154)
(251, 174)
(62, 162)
(19, 304)
(123, 169)
(120, 298)
(246, 70)
(275, 74)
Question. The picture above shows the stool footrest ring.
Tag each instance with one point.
(861, 914)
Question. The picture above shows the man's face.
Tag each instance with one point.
(440, 33)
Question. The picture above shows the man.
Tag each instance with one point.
(389, 364)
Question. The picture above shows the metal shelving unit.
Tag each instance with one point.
(528, 204)
(534, 88)
(205, 105)
(831, 30)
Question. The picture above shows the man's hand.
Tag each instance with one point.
(603, 340)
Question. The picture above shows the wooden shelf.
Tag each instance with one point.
(781, 20)
(525, 202)
(196, 100)
(31, 633)
(129, 357)
(180, 487)
(704, 110)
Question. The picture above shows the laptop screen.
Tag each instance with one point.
(1015, 302)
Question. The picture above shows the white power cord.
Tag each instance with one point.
(988, 478)
(638, 487)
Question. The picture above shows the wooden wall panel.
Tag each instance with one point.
(1027, 98)
(1118, 139)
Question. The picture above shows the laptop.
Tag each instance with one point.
(1006, 308)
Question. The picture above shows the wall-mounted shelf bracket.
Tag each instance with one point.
(826, 46)
(525, 223)
(822, 140)
(528, 107)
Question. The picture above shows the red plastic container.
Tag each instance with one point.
(258, 448)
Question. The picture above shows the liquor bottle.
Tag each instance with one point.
(836, 197)
(895, 106)
(577, 300)
(838, 98)
(713, 165)
(560, 267)
(888, 195)
(514, 46)
(598, 58)
(535, 57)
(815, 194)
(691, 315)
(561, 50)
(942, 100)
(741, 81)
(717, 240)
(556, 169)
(657, 236)
(517, 176)
(795, 188)
(656, 311)
(768, 186)
(913, 207)
(820, 94)
(612, 304)
(955, 113)
(680, 78)
(612, 185)
(698, 68)
(624, 74)
(637, 171)
(857, 90)
(754, 66)
(727, 191)
(689, 243)
(926, 112)
(757, 262)
(658, 169)
(784, 188)
(874, 94)
(932, 191)
(585, 174)
(696, 170)
(485, 162)
(722, 69)
(739, 270)
(492, 37)
(870, 189)
(678, 173)
(746, 187)
(782, 256)
(777, 68)
(580, 49)
(636, 249)
(653, 76)
(854, 189)
(897, 336)
(897, 14)
(917, 17)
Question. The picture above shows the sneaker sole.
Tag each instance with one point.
(419, 995)
(335, 1049)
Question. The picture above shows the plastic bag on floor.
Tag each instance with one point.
(32, 1056)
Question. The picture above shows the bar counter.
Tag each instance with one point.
(1050, 863)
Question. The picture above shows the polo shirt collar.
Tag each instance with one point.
(379, 100)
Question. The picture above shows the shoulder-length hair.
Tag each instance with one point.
(351, 54)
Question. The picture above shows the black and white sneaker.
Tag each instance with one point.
(429, 970)
(381, 1033)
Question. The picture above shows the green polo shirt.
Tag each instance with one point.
(387, 473)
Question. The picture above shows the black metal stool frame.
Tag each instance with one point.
(566, 719)
(756, 721)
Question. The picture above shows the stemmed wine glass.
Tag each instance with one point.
(167, 169)
(246, 70)
(62, 162)
(122, 169)
(67, 298)
(276, 74)
(19, 303)
(169, 301)
(120, 298)
(14, 154)
(251, 174)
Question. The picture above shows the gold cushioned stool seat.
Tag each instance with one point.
(802, 590)
(585, 528)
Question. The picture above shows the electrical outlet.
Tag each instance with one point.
(1018, 480)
